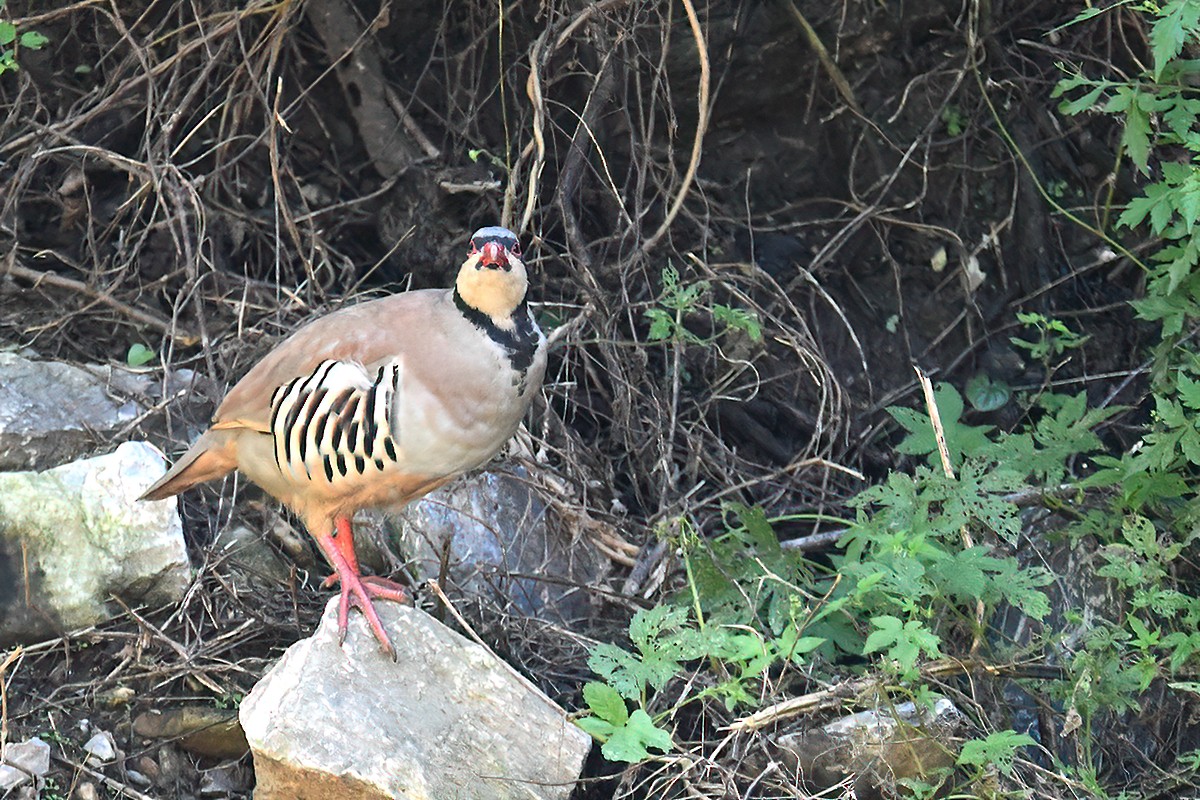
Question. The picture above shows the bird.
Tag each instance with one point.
(377, 404)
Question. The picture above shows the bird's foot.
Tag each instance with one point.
(358, 591)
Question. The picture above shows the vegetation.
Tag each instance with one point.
(740, 274)
(930, 557)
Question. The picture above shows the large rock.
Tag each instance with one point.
(501, 545)
(447, 719)
(51, 412)
(78, 535)
(875, 750)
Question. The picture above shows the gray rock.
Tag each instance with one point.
(501, 546)
(100, 747)
(32, 756)
(447, 719)
(79, 536)
(23, 762)
(224, 781)
(875, 749)
(51, 412)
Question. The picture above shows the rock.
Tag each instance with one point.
(51, 412)
(80, 536)
(497, 529)
(117, 697)
(210, 732)
(149, 768)
(31, 756)
(137, 778)
(22, 762)
(876, 749)
(223, 781)
(86, 791)
(101, 748)
(346, 723)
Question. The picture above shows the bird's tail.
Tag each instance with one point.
(212, 455)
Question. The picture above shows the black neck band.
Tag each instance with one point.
(520, 343)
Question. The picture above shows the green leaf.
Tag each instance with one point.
(904, 641)
(33, 40)
(888, 631)
(985, 394)
(1084, 102)
(961, 439)
(605, 702)
(596, 728)
(1136, 134)
(738, 319)
(662, 324)
(1177, 19)
(630, 742)
(8, 32)
(139, 355)
(999, 748)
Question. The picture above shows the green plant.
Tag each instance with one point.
(624, 736)
(928, 555)
(11, 42)
(986, 393)
(954, 119)
(477, 153)
(1053, 337)
(139, 355)
(997, 749)
(679, 299)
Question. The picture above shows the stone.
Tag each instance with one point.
(205, 731)
(22, 762)
(31, 756)
(138, 779)
(501, 545)
(51, 412)
(101, 748)
(79, 536)
(86, 791)
(875, 749)
(446, 719)
(223, 781)
(148, 767)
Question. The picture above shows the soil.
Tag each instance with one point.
(200, 179)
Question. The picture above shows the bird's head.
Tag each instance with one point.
(493, 278)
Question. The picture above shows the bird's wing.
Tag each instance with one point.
(368, 334)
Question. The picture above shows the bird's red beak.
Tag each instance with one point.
(492, 255)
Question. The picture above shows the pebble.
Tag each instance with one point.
(101, 747)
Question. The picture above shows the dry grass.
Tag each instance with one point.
(201, 178)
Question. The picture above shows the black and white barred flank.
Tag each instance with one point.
(336, 420)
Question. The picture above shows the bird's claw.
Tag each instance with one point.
(358, 592)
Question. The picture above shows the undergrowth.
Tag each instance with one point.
(931, 555)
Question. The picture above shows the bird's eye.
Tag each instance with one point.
(474, 248)
(515, 249)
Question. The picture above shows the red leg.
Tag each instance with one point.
(357, 591)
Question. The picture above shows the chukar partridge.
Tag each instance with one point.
(379, 403)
